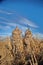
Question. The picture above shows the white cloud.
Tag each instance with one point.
(21, 21)
(5, 27)
(38, 35)
(8, 22)
(5, 34)
(27, 22)
(5, 12)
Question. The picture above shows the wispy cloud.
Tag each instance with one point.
(28, 22)
(7, 22)
(22, 23)
(38, 35)
(5, 27)
(10, 24)
(5, 34)
(6, 12)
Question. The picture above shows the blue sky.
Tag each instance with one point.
(28, 13)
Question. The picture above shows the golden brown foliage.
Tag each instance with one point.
(21, 50)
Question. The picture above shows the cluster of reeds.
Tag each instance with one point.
(22, 50)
